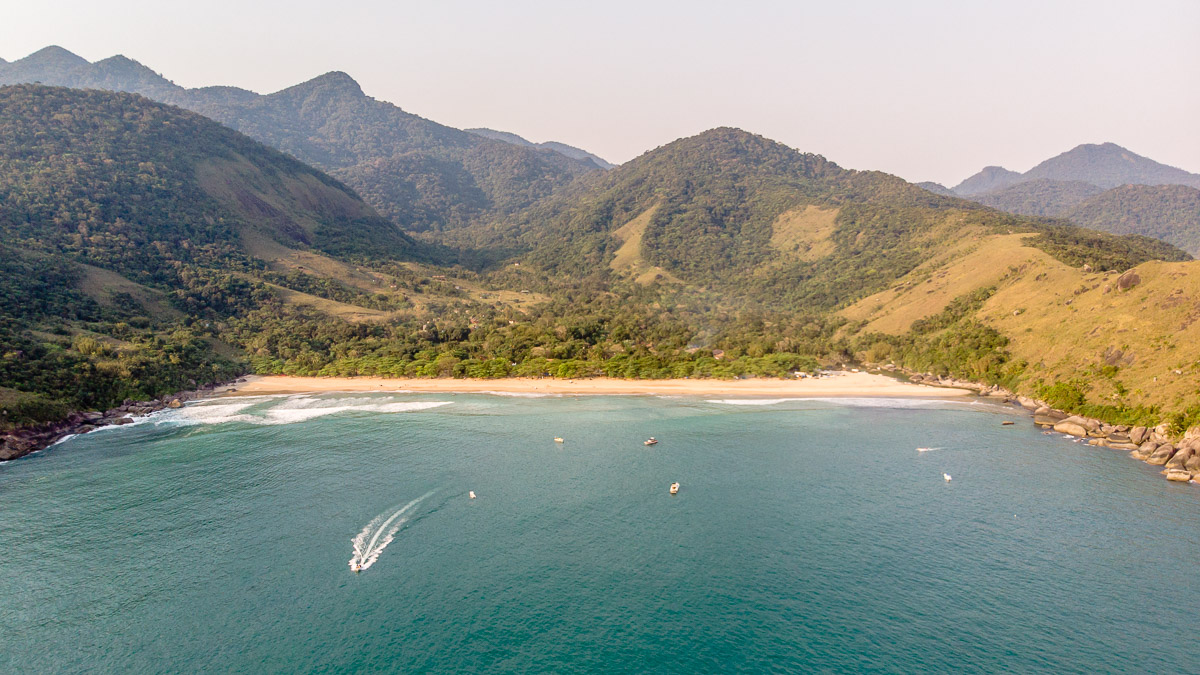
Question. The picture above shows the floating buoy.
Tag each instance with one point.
(471, 494)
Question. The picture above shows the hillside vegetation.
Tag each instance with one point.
(1167, 212)
(146, 247)
(420, 174)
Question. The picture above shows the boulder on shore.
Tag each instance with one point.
(1144, 450)
(1161, 455)
(1073, 426)
(1179, 475)
(1139, 435)
(1180, 458)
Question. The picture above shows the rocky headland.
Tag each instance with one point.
(23, 441)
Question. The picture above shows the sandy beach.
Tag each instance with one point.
(842, 384)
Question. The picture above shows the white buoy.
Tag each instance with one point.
(946, 476)
(471, 494)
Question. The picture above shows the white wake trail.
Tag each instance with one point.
(378, 533)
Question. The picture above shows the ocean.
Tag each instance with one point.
(808, 535)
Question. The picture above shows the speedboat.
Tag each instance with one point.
(674, 488)
(558, 439)
(946, 477)
(650, 441)
(356, 568)
(471, 494)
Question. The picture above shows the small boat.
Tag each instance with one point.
(471, 494)
(924, 449)
(674, 488)
(946, 476)
(1007, 423)
(650, 441)
(558, 439)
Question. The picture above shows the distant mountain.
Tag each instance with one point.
(1076, 185)
(562, 148)
(1167, 212)
(937, 188)
(989, 179)
(1109, 165)
(420, 174)
(1039, 197)
(1106, 165)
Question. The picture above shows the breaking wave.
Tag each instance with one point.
(289, 411)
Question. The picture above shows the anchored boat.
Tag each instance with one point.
(674, 488)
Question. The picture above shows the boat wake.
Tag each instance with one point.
(379, 533)
(928, 449)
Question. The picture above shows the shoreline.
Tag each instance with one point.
(840, 384)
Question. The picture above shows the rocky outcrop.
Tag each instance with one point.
(1162, 455)
(1181, 476)
(1073, 426)
(21, 442)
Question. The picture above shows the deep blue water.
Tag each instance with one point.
(807, 536)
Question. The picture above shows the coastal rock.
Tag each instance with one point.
(1073, 426)
(1028, 403)
(1193, 464)
(1180, 458)
(1139, 435)
(1144, 450)
(1121, 446)
(1179, 475)
(121, 420)
(1192, 433)
(1119, 437)
(175, 404)
(1162, 455)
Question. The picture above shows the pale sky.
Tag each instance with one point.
(930, 90)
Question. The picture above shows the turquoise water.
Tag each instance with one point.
(808, 535)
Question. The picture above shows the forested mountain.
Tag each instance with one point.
(1039, 197)
(762, 225)
(561, 148)
(1061, 185)
(1167, 212)
(420, 174)
(122, 221)
(990, 178)
(1108, 165)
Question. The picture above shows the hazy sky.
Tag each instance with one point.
(927, 90)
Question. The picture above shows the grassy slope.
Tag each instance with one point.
(1064, 322)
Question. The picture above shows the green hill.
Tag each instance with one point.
(1167, 212)
(420, 174)
(1039, 197)
(123, 221)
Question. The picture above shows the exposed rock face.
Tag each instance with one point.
(1177, 475)
(1128, 280)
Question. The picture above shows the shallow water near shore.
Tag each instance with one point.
(808, 535)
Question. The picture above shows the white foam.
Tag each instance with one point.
(861, 402)
(290, 411)
(518, 394)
